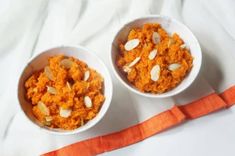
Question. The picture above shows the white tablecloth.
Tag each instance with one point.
(28, 27)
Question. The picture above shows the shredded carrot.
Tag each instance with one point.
(170, 51)
(57, 93)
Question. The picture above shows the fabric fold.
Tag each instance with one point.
(203, 106)
(158, 123)
(229, 96)
(124, 137)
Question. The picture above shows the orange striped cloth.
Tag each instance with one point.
(152, 126)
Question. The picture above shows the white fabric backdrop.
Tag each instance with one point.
(28, 27)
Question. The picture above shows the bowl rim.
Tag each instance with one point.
(107, 100)
(151, 95)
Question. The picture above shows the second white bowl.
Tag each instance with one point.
(171, 26)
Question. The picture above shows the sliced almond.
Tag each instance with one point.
(152, 54)
(48, 73)
(68, 85)
(82, 121)
(170, 42)
(87, 101)
(183, 46)
(155, 73)
(47, 123)
(156, 38)
(67, 63)
(65, 112)
(48, 118)
(136, 60)
(131, 44)
(86, 75)
(126, 69)
(51, 90)
(35, 90)
(43, 108)
(174, 66)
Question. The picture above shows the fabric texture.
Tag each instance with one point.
(29, 27)
(152, 126)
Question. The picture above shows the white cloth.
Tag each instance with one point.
(28, 27)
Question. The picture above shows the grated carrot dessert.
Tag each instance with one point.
(66, 94)
(152, 60)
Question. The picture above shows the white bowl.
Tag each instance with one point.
(171, 26)
(38, 62)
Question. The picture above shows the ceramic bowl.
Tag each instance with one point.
(171, 26)
(39, 61)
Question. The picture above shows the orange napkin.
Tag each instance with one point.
(152, 126)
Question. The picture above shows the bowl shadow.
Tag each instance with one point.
(211, 69)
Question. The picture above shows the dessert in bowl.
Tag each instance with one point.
(155, 56)
(65, 90)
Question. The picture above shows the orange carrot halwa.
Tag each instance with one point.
(152, 60)
(66, 93)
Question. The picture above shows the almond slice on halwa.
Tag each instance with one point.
(67, 63)
(69, 85)
(136, 60)
(82, 121)
(86, 75)
(156, 38)
(35, 90)
(51, 90)
(48, 72)
(183, 46)
(47, 123)
(174, 66)
(48, 118)
(131, 44)
(43, 108)
(170, 42)
(152, 54)
(126, 69)
(65, 113)
(87, 101)
(155, 73)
